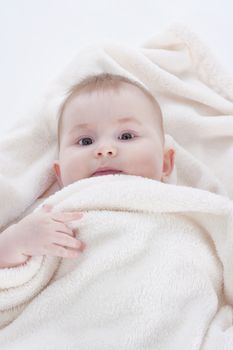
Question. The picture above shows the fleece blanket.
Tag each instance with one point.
(157, 272)
(196, 98)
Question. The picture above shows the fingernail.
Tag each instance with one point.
(82, 247)
(79, 214)
(47, 207)
(75, 214)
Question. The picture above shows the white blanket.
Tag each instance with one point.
(196, 99)
(151, 277)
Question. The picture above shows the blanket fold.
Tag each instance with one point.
(158, 266)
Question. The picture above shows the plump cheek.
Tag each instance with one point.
(71, 171)
(147, 165)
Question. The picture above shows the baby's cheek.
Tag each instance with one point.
(67, 173)
(150, 165)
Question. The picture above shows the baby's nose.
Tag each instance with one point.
(106, 152)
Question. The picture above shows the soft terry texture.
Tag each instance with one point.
(151, 277)
(158, 254)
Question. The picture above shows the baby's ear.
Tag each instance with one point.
(168, 164)
(57, 171)
(56, 168)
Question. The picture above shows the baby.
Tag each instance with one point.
(107, 125)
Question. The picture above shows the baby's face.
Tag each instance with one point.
(111, 128)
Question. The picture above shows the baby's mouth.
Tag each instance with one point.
(106, 172)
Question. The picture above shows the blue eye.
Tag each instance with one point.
(85, 142)
(128, 136)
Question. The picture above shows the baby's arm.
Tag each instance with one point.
(40, 233)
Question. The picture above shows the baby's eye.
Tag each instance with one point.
(127, 136)
(86, 141)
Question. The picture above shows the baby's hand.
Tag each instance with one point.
(40, 233)
(47, 233)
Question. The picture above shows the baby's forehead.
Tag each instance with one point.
(121, 90)
(111, 108)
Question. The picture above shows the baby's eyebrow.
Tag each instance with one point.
(129, 119)
(119, 121)
(80, 126)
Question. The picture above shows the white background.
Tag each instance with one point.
(39, 37)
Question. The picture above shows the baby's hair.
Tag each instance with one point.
(106, 81)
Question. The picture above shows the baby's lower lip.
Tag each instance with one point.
(106, 172)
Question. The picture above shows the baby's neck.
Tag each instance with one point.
(51, 190)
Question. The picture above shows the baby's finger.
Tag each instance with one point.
(46, 208)
(67, 241)
(56, 250)
(66, 216)
(61, 227)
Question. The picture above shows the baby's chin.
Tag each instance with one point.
(110, 172)
(100, 173)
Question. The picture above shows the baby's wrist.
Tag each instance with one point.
(9, 255)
